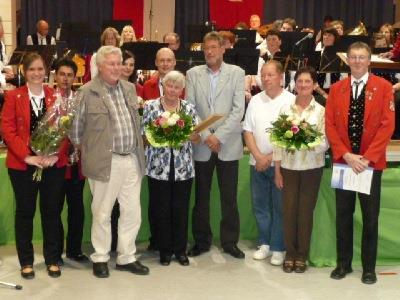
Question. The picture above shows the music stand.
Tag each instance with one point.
(296, 55)
(145, 53)
(197, 32)
(345, 41)
(245, 38)
(47, 52)
(330, 62)
(186, 59)
(246, 58)
(80, 37)
(117, 24)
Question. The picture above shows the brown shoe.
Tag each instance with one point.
(288, 266)
(300, 266)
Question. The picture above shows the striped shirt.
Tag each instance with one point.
(124, 140)
(123, 134)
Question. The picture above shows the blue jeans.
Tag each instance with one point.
(267, 207)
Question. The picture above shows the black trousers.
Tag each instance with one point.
(171, 209)
(26, 191)
(227, 174)
(345, 206)
(73, 192)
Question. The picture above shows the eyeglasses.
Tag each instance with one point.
(359, 58)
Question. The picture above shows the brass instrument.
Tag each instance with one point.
(360, 29)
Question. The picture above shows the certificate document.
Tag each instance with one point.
(343, 177)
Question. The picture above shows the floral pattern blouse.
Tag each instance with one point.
(158, 159)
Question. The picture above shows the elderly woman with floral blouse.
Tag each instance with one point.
(170, 174)
(299, 174)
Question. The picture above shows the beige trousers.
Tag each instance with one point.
(124, 185)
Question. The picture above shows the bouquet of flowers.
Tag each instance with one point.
(170, 129)
(52, 129)
(293, 134)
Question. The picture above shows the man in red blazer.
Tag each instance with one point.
(165, 62)
(359, 124)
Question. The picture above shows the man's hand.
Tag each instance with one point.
(278, 179)
(195, 138)
(396, 87)
(263, 162)
(213, 143)
(8, 73)
(356, 162)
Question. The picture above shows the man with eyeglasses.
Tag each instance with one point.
(359, 125)
(217, 88)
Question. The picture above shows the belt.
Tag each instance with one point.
(122, 154)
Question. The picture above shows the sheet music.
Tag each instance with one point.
(343, 177)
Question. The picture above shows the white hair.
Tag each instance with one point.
(175, 77)
(107, 50)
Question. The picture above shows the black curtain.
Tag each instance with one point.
(93, 12)
(188, 12)
(310, 13)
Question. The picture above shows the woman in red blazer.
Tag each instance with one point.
(23, 108)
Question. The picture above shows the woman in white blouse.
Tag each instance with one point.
(299, 174)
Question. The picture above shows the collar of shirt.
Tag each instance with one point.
(363, 78)
(160, 87)
(110, 88)
(268, 98)
(41, 96)
(310, 107)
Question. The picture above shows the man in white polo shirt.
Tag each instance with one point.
(262, 111)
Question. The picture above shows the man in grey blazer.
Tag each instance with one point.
(217, 87)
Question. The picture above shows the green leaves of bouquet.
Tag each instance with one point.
(294, 134)
(169, 130)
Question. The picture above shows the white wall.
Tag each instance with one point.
(162, 20)
(8, 14)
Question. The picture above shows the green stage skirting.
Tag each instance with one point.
(323, 249)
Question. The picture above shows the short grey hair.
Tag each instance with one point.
(175, 77)
(107, 50)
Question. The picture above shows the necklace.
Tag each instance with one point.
(168, 107)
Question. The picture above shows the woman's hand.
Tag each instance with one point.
(278, 180)
(49, 161)
(34, 161)
(388, 54)
(195, 138)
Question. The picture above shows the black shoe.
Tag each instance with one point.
(165, 259)
(234, 251)
(341, 272)
(100, 270)
(135, 267)
(27, 275)
(196, 251)
(78, 258)
(182, 259)
(368, 277)
(54, 273)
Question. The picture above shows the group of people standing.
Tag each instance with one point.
(114, 157)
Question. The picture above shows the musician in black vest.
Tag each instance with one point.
(41, 37)
(359, 122)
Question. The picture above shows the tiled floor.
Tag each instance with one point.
(213, 275)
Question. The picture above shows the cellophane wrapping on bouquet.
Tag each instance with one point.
(53, 128)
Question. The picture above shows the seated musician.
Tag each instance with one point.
(288, 25)
(339, 26)
(41, 36)
(127, 35)
(173, 40)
